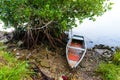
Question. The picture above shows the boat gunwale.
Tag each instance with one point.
(82, 49)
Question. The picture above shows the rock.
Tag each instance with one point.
(98, 46)
(19, 43)
(17, 55)
(107, 55)
(99, 51)
(45, 63)
(101, 46)
(1, 34)
(3, 39)
(5, 36)
(105, 52)
(9, 35)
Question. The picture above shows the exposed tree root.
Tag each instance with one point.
(37, 33)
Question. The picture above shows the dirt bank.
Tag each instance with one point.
(54, 63)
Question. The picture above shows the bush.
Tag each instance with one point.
(11, 68)
(116, 59)
(111, 71)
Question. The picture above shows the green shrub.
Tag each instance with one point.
(111, 71)
(11, 68)
(116, 59)
(16, 72)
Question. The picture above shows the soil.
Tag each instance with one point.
(55, 65)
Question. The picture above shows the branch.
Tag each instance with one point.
(43, 26)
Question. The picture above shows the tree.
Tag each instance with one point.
(47, 19)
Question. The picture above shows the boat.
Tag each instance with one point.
(75, 50)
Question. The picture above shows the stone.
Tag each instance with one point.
(106, 55)
(101, 46)
(9, 35)
(5, 36)
(1, 34)
(19, 43)
(99, 51)
(18, 55)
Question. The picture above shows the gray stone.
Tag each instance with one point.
(19, 43)
(5, 36)
(101, 46)
(99, 51)
(107, 55)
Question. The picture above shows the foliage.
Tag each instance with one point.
(17, 12)
(111, 70)
(11, 68)
(45, 20)
(116, 58)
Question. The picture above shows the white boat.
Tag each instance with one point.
(75, 50)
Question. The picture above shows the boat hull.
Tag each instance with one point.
(75, 51)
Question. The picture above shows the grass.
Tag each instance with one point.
(111, 71)
(116, 59)
(11, 68)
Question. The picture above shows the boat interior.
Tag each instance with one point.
(77, 43)
(74, 53)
